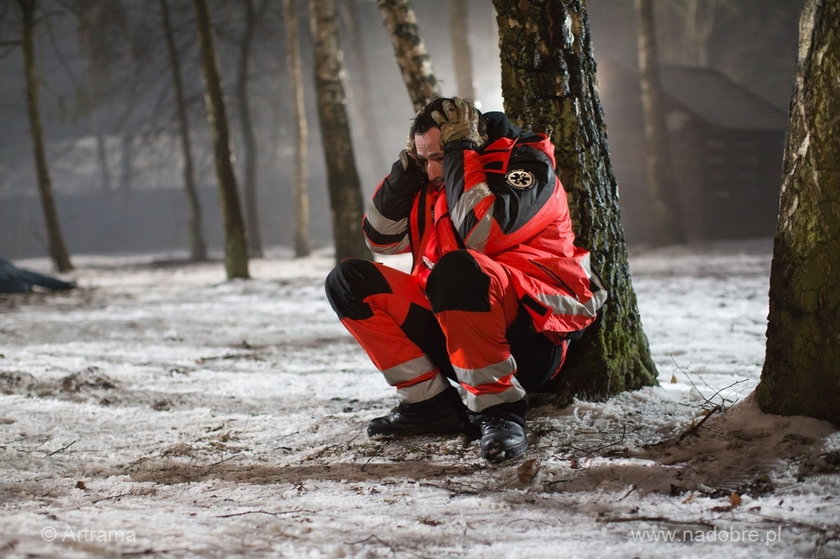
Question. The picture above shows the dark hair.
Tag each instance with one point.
(423, 121)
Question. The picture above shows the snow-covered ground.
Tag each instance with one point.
(160, 410)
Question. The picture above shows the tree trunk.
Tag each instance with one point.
(55, 240)
(461, 54)
(342, 175)
(126, 161)
(660, 177)
(102, 157)
(198, 249)
(801, 374)
(412, 58)
(687, 27)
(701, 21)
(359, 90)
(300, 187)
(249, 188)
(548, 81)
(236, 246)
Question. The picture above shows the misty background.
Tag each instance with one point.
(107, 107)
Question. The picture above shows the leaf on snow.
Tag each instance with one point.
(528, 469)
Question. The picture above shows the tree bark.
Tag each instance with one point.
(126, 161)
(249, 188)
(198, 248)
(236, 245)
(461, 53)
(414, 62)
(300, 187)
(105, 183)
(55, 239)
(342, 176)
(688, 27)
(801, 374)
(701, 21)
(359, 88)
(549, 85)
(660, 176)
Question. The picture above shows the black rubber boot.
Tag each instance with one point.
(501, 439)
(444, 413)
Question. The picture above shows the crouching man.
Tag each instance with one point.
(497, 288)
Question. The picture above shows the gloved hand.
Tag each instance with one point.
(407, 175)
(408, 160)
(458, 121)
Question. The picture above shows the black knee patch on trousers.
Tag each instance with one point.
(422, 328)
(457, 283)
(350, 283)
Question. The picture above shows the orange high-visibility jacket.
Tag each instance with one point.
(503, 200)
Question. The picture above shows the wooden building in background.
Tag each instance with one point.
(726, 150)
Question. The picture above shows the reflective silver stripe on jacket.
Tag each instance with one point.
(477, 238)
(468, 200)
(600, 293)
(384, 225)
(388, 249)
(567, 304)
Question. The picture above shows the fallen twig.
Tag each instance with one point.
(223, 460)
(662, 519)
(708, 400)
(376, 539)
(593, 450)
(109, 497)
(722, 399)
(455, 489)
(632, 488)
(829, 532)
(695, 427)
(62, 449)
(258, 512)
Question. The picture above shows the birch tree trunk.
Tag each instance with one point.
(300, 187)
(359, 85)
(55, 239)
(660, 176)
(801, 374)
(198, 248)
(249, 187)
(414, 62)
(342, 176)
(236, 245)
(126, 161)
(461, 53)
(105, 183)
(549, 85)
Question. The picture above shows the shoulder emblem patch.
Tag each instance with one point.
(520, 179)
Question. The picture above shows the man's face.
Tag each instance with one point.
(430, 154)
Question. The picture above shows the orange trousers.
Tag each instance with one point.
(465, 325)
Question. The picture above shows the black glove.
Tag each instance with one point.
(407, 176)
(409, 162)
